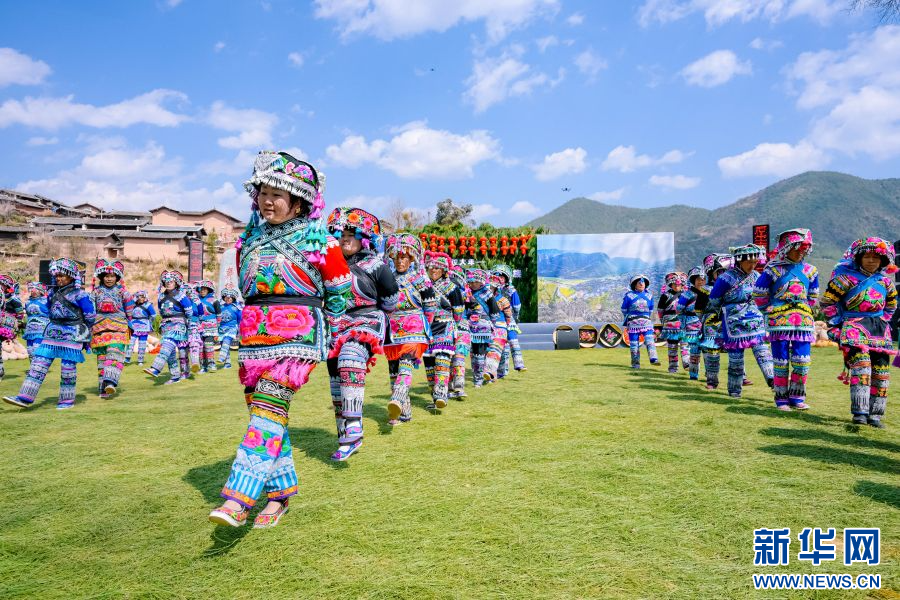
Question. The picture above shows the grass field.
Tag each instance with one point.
(579, 478)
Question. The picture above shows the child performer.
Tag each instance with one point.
(637, 306)
(409, 323)
(463, 335)
(508, 290)
(743, 326)
(209, 317)
(442, 345)
(362, 329)
(228, 324)
(111, 333)
(37, 316)
(190, 349)
(176, 309)
(691, 326)
(859, 302)
(713, 265)
(484, 318)
(71, 318)
(787, 290)
(141, 325)
(667, 309)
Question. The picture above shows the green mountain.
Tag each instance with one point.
(838, 208)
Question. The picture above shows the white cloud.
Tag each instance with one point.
(493, 80)
(253, 127)
(377, 205)
(764, 44)
(570, 160)
(575, 19)
(42, 141)
(546, 42)
(219, 46)
(867, 121)
(417, 151)
(780, 160)
(173, 3)
(53, 113)
(296, 59)
(390, 19)
(481, 212)
(715, 69)
(590, 64)
(524, 208)
(608, 196)
(625, 159)
(677, 182)
(20, 69)
(719, 12)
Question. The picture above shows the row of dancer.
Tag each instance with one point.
(738, 301)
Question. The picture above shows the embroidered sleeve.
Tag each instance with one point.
(87, 308)
(812, 296)
(386, 288)
(834, 293)
(890, 304)
(715, 296)
(626, 303)
(761, 289)
(127, 304)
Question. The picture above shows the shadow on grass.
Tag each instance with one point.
(880, 492)
(378, 413)
(208, 480)
(316, 443)
(770, 412)
(835, 456)
(711, 397)
(847, 440)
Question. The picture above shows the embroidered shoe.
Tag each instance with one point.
(141, 364)
(229, 516)
(783, 408)
(149, 371)
(734, 394)
(747, 381)
(876, 423)
(16, 401)
(521, 368)
(264, 521)
(405, 419)
(65, 405)
(226, 366)
(173, 380)
(860, 420)
(440, 403)
(393, 422)
(394, 410)
(345, 452)
(461, 394)
(801, 406)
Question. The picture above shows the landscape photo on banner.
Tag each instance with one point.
(583, 277)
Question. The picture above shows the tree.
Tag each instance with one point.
(450, 214)
(401, 218)
(888, 10)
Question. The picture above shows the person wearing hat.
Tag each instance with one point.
(671, 333)
(363, 328)
(37, 316)
(743, 325)
(111, 331)
(296, 284)
(442, 345)
(71, 318)
(711, 319)
(637, 308)
(691, 327)
(12, 312)
(190, 349)
(484, 317)
(508, 291)
(787, 291)
(210, 314)
(229, 320)
(175, 310)
(859, 302)
(141, 326)
(463, 340)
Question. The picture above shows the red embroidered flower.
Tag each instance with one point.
(289, 321)
(795, 319)
(253, 438)
(273, 446)
(250, 320)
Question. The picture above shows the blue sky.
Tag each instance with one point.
(499, 103)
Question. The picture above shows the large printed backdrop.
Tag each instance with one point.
(583, 277)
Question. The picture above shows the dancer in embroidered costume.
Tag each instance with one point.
(363, 328)
(637, 306)
(37, 316)
(711, 318)
(743, 325)
(141, 325)
(175, 310)
(463, 335)
(667, 309)
(209, 317)
(859, 302)
(229, 321)
(71, 318)
(442, 345)
(484, 317)
(786, 291)
(513, 348)
(111, 334)
(691, 326)
(295, 281)
(189, 350)
(12, 312)
(409, 335)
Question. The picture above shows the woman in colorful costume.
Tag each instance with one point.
(141, 325)
(485, 318)
(71, 318)
(37, 316)
(175, 311)
(294, 280)
(190, 349)
(859, 302)
(786, 291)
(691, 326)
(667, 308)
(637, 308)
(442, 345)
(743, 325)
(508, 291)
(463, 336)
(711, 318)
(363, 328)
(209, 317)
(111, 333)
(229, 321)
(12, 312)
(409, 323)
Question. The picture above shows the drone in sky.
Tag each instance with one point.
(565, 189)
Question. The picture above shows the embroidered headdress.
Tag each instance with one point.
(476, 276)
(441, 260)
(793, 238)
(458, 276)
(65, 266)
(716, 262)
(206, 283)
(141, 294)
(104, 267)
(504, 270)
(173, 276)
(748, 252)
(37, 286)
(404, 243)
(638, 278)
(695, 272)
(881, 247)
(363, 224)
(229, 292)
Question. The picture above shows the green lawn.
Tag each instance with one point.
(578, 478)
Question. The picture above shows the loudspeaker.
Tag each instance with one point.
(44, 273)
(567, 339)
